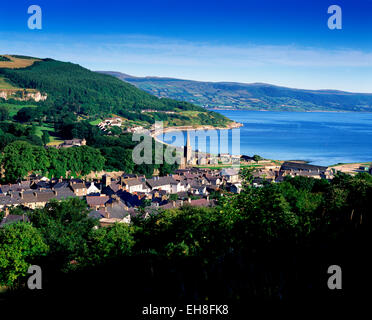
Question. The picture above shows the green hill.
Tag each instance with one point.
(73, 89)
(255, 96)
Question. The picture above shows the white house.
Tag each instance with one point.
(135, 185)
(93, 189)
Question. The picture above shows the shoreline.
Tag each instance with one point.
(291, 111)
(154, 133)
(232, 125)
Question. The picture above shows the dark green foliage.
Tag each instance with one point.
(20, 245)
(4, 113)
(3, 58)
(74, 89)
(257, 158)
(45, 137)
(28, 115)
(10, 132)
(21, 158)
(65, 227)
(270, 243)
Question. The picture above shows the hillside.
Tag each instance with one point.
(71, 88)
(255, 96)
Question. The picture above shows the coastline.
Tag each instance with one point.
(232, 125)
(291, 111)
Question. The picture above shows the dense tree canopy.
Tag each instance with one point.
(20, 243)
(74, 89)
(21, 158)
(271, 242)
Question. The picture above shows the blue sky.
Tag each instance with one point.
(283, 42)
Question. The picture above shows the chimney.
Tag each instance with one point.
(173, 203)
(189, 200)
(55, 192)
(21, 194)
(6, 212)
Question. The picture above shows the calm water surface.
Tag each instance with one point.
(322, 138)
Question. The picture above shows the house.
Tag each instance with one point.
(36, 199)
(110, 122)
(213, 180)
(199, 202)
(69, 143)
(73, 143)
(304, 169)
(12, 218)
(231, 175)
(78, 188)
(93, 189)
(167, 183)
(96, 202)
(112, 188)
(235, 188)
(198, 188)
(135, 185)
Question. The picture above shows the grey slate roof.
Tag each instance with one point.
(161, 181)
(301, 166)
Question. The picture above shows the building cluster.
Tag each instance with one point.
(107, 123)
(192, 158)
(119, 199)
(157, 111)
(69, 143)
(277, 173)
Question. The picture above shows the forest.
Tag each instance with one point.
(76, 98)
(270, 244)
(23, 153)
(74, 89)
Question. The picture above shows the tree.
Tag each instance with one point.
(109, 243)
(65, 226)
(20, 244)
(45, 137)
(257, 158)
(28, 114)
(18, 160)
(4, 113)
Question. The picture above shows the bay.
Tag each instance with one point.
(322, 138)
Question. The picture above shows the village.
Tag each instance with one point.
(117, 197)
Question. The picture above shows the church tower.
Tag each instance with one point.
(188, 150)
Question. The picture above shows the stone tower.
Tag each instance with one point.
(188, 150)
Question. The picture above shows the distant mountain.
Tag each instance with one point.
(254, 96)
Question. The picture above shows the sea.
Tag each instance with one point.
(321, 138)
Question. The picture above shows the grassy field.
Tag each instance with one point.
(17, 63)
(14, 108)
(4, 84)
(40, 129)
(54, 139)
(95, 122)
